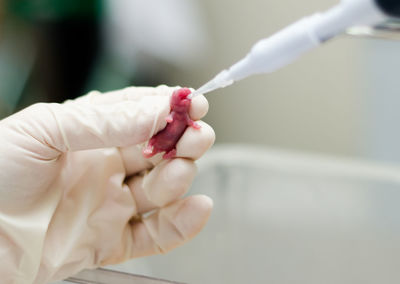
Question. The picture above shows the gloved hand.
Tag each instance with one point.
(74, 184)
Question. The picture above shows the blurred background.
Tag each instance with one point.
(341, 99)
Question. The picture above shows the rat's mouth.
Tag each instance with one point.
(184, 93)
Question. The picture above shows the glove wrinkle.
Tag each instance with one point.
(153, 236)
(61, 131)
(174, 227)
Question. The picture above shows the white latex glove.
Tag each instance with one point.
(74, 183)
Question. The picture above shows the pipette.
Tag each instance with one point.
(287, 45)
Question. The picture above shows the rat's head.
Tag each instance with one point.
(180, 100)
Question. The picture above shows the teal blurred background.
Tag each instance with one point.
(54, 50)
(341, 99)
(47, 50)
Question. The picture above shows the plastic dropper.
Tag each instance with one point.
(282, 48)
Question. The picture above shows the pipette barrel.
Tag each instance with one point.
(286, 46)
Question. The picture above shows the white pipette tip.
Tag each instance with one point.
(220, 81)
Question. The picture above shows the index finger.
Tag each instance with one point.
(198, 108)
(126, 94)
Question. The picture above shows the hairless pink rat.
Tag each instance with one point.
(178, 120)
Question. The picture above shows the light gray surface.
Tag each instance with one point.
(289, 218)
(103, 276)
(380, 68)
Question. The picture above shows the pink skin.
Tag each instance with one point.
(178, 120)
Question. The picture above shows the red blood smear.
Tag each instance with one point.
(178, 121)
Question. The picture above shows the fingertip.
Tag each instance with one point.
(194, 215)
(171, 226)
(195, 142)
(199, 107)
(168, 181)
(203, 202)
(180, 172)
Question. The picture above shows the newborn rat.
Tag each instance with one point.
(178, 120)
